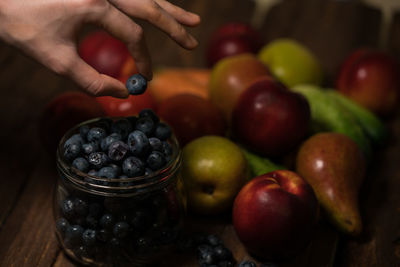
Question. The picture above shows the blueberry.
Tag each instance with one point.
(140, 219)
(206, 255)
(107, 172)
(92, 172)
(116, 168)
(132, 120)
(67, 208)
(117, 150)
(96, 134)
(115, 243)
(81, 207)
(89, 237)
(145, 125)
(95, 209)
(155, 160)
(121, 229)
(107, 221)
(91, 147)
(122, 127)
(81, 252)
(91, 221)
(133, 166)
(83, 131)
(162, 131)
(247, 263)
(148, 171)
(222, 253)
(136, 84)
(147, 112)
(138, 143)
(226, 264)
(105, 142)
(213, 240)
(167, 148)
(62, 225)
(143, 243)
(98, 159)
(156, 144)
(72, 151)
(81, 164)
(73, 235)
(103, 235)
(74, 139)
(105, 123)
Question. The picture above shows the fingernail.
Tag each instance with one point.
(192, 42)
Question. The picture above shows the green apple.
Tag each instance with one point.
(214, 170)
(291, 62)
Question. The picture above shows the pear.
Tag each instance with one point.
(334, 166)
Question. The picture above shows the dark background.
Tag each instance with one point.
(331, 29)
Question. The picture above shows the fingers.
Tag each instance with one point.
(123, 28)
(152, 12)
(182, 16)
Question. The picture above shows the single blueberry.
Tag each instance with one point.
(133, 166)
(95, 209)
(247, 263)
(226, 264)
(91, 147)
(67, 208)
(105, 142)
(117, 150)
(116, 168)
(74, 139)
(89, 237)
(155, 160)
(167, 148)
(104, 123)
(96, 134)
(136, 84)
(98, 159)
(115, 243)
(81, 207)
(156, 144)
(62, 225)
(147, 112)
(72, 151)
(121, 229)
(122, 127)
(83, 131)
(222, 253)
(107, 172)
(148, 171)
(73, 235)
(206, 255)
(91, 221)
(107, 221)
(92, 172)
(213, 240)
(145, 125)
(138, 143)
(162, 131)
(103, 235)
(141, 219)
(81, 164)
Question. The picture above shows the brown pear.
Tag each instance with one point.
(334, 166)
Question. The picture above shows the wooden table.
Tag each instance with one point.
(329, 28)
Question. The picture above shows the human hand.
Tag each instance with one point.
(46, 30)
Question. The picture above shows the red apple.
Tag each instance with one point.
(370, 78)
(191, 116)
(230, 77)
(274, 214)
(231, 39)
(63, 112)
(269, 118)
(107, 55)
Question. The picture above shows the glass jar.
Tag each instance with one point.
(118, 222)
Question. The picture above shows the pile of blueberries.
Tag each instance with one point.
(104, 229)
(127, 147)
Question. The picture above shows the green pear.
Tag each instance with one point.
(334, 166)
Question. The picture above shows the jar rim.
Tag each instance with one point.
(83, 179)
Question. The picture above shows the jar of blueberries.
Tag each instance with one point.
(119, 199)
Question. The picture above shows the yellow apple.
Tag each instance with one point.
(214, 170)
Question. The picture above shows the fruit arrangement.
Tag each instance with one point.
(264, 138)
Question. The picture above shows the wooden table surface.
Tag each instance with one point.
(329, 28)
